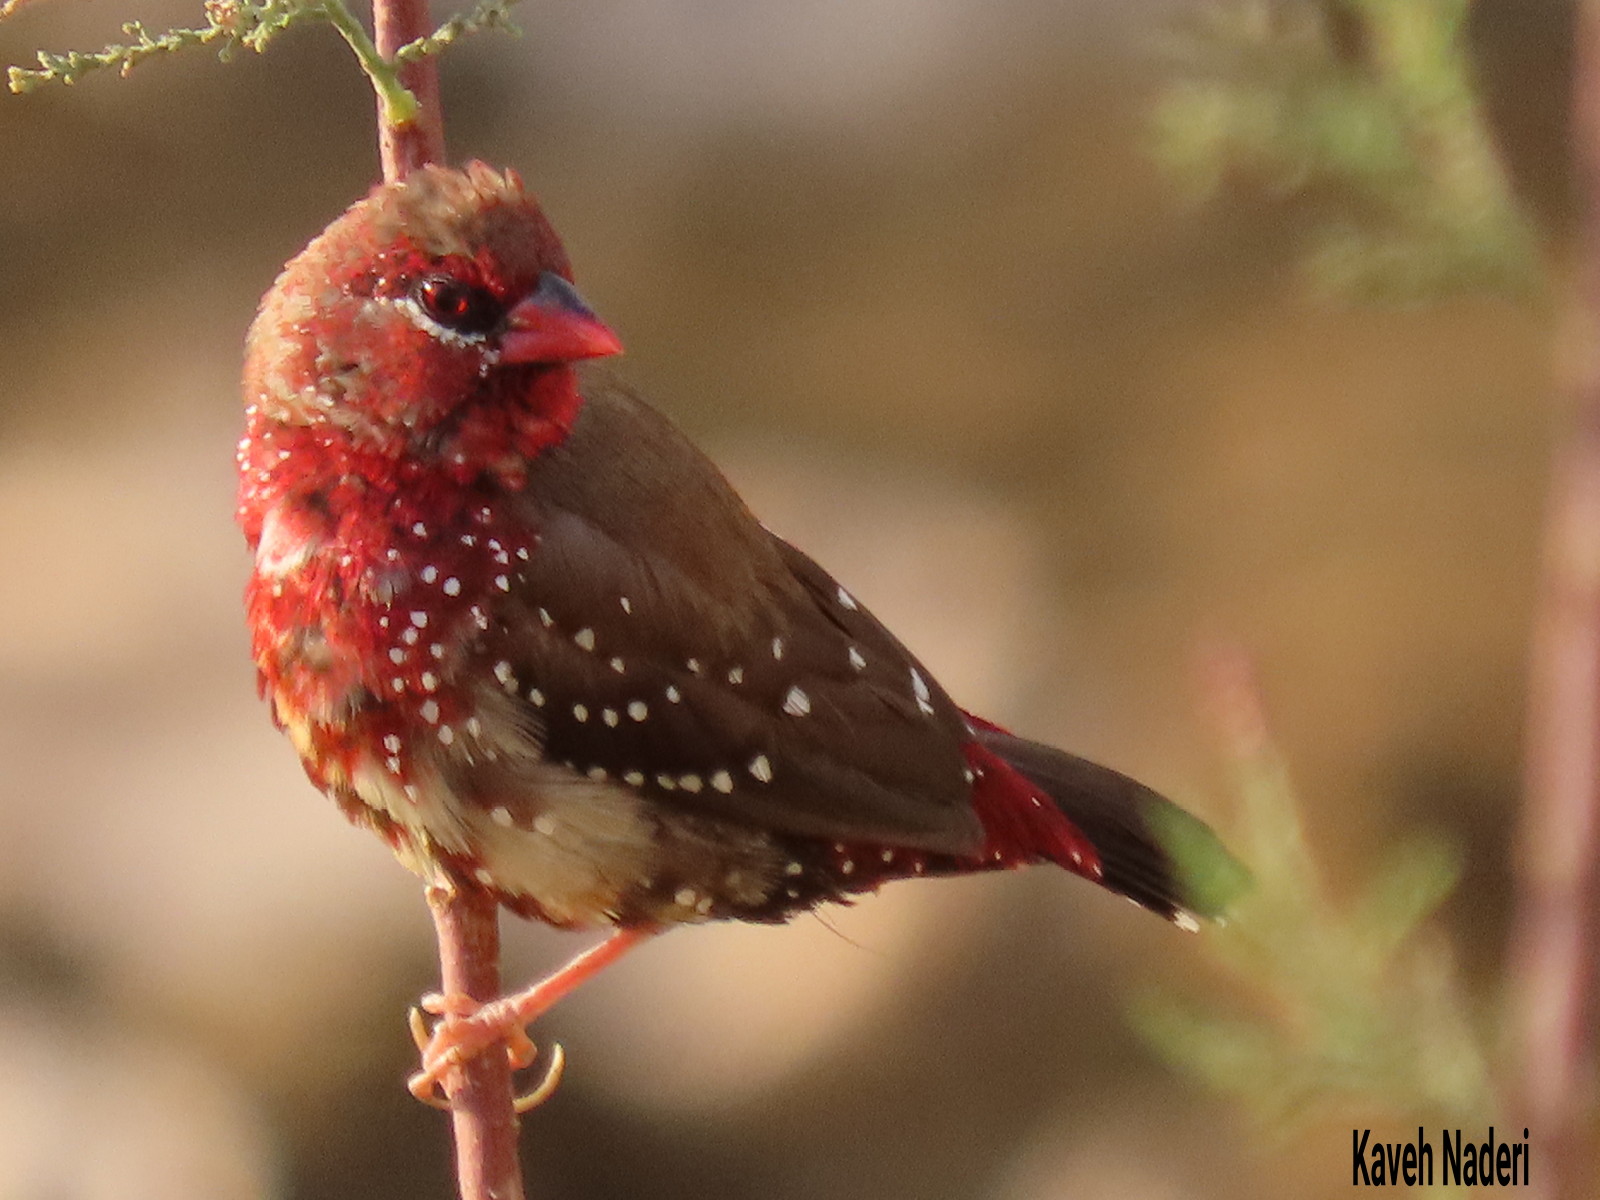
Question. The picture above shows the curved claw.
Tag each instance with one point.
(455, 1004)
(426, 1085)
(546, 1087)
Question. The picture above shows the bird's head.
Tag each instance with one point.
(420, 314)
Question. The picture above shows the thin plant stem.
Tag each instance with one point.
(482, 1103)
(408, 141)
(1553, 955)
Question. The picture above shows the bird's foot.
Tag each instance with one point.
(466, 1029)
(462, 1033)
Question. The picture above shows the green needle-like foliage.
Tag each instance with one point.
(249, 24)
(1370, 106)
(1352, 1007)
(488, 14)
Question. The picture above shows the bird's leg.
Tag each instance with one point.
(465, 1030)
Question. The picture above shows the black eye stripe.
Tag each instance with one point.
(457, 305)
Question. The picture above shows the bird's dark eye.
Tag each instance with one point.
(456, 305)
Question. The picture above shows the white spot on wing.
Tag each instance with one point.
(761, 768)
(796, 703)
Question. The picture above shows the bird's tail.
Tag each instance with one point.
(1150, 850)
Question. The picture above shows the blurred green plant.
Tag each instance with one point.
(1357, 1007)
(235, 24)
(1369, 104)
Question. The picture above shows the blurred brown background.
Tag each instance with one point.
(908, 271)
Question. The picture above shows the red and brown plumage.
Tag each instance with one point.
(519, 626)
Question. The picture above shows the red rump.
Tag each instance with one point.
(1021, 823)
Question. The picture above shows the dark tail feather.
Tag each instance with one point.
(1152, 851)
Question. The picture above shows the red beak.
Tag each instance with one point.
(552, 324)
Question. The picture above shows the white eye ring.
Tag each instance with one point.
(443, 333)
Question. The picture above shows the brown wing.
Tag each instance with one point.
(708, 664)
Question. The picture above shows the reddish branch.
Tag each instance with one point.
(404, 148)
(467, 920)
(481, 1100)
(1554, 958)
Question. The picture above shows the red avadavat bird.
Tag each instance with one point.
(520, 627)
